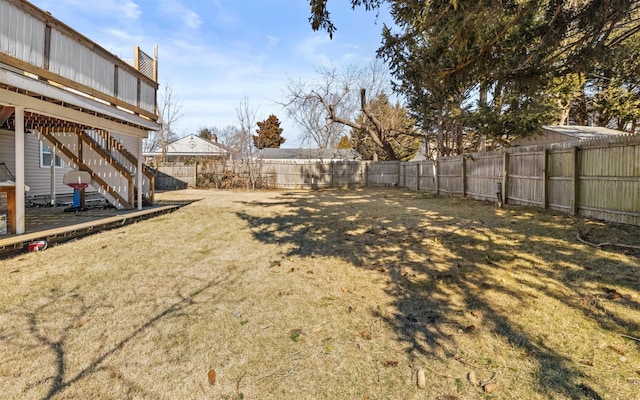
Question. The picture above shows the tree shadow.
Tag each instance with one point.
(71, 311)
(441, 259)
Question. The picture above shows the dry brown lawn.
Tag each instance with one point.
(339, 294)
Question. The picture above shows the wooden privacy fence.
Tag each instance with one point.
(597, 178)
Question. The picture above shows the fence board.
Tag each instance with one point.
(483, 172)
(427, 176)
(450, 175)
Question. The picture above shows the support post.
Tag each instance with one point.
(139, 173)
(19, 155)
(418, 171)
(52, 166)
(81, 193)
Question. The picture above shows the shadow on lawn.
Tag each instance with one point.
(73, 309)
(319, 223)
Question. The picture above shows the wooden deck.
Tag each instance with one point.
(54, 225)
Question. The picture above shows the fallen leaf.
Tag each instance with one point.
(294, 334)
(390, 363)
(617, 350)
(421, 378)
(475, 313)
(473, 379)
(586, 362)
(365, 334)
(381, 269)
(211, 375)
(490, 387)
(292, 269)
(344, 290)
(614, 296)
(317, 329)
(469, 329)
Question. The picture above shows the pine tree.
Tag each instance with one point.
(269, 134)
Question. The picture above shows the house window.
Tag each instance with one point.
(45, 157)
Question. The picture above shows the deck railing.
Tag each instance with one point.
(33, 41)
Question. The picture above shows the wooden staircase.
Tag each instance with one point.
(111, 166)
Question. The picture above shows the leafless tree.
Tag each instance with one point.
(311, 115)
(170, 112)
(338, 98)
(231, 137)
(247, 119)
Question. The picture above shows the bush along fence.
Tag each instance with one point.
(596, 178)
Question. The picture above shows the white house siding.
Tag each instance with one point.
(37, 178)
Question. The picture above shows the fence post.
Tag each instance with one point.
(436, 177)
(331, 172)
(464, 177)
(505, 178)
(195, 174)
(545, 178)
(418, 171)
(366, 174)
(574, 180)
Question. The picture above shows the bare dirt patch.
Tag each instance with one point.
(359, 294)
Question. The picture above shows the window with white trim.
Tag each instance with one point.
(45, 157)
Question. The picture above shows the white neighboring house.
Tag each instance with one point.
(564, 133)
(66, 103)
(188, 148)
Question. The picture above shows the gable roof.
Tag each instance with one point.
(566, 133)
(192, 145)
(583, 132)
(309, 154)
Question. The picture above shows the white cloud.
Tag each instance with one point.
(310, 49)
(272, 41)
(121, 8)
(179, 11)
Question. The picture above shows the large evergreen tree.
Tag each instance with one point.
(515, 56)
(269, 133)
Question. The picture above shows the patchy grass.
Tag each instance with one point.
(327, 294)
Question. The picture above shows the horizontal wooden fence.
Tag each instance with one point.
(597, 178)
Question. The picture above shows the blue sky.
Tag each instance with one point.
(215, 53)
